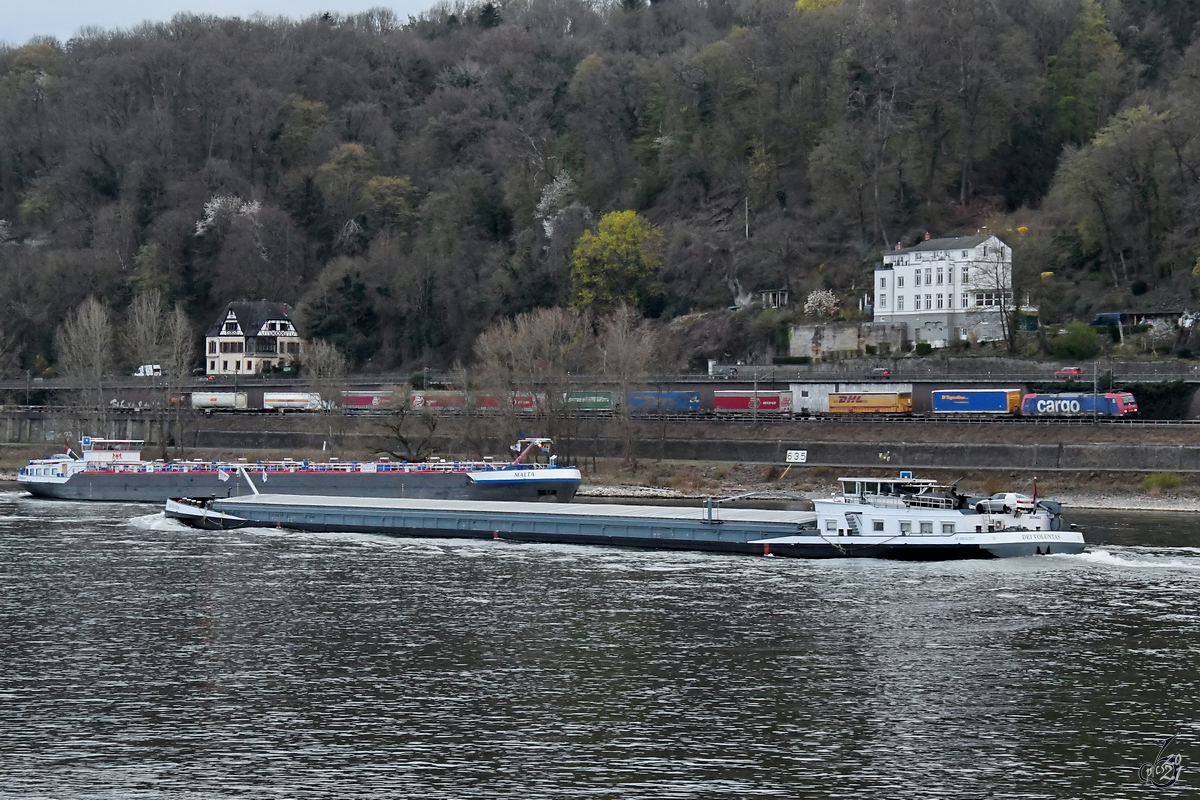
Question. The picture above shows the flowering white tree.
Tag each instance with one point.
(224, 207)
(557, 195)
(821, 303)
(1159, 334)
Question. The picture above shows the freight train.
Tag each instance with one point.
(801, 400)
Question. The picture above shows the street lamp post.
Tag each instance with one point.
(1095, 388)
(756, 397)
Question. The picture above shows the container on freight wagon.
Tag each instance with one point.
(766, 402)
(589, 401)
(207, 401)
(976, 401)
(439, 401)
(870, 403)
(1079, 404)
(367, 401)
(292, 401)
(672, 402)
(514, 401)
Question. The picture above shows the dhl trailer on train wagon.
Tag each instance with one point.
(870, 403)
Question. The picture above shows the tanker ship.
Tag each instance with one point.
(113, 470)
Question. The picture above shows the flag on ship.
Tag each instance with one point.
(222, 474)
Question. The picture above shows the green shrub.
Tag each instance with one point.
(1080, 341)
(1158, 481)
(772, 326)
(924, 348)
(792, 360)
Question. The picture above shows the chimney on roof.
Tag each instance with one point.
(927, 236)
(898, 246)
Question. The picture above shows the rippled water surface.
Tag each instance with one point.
(140, 659)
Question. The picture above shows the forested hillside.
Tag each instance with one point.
(407, 184)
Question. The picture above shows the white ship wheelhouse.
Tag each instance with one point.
(107, 451)
(97, 454)
(903, 507)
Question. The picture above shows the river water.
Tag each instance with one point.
(140, 659)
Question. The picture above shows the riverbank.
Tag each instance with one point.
(1110, 502)
(684, 481)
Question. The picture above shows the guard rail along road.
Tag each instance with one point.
(962, 370)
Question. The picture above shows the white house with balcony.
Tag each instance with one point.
(946, 290)
(250, 337)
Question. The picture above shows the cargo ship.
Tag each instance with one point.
(900, 518)
(113, 470)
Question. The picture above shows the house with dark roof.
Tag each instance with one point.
(945, 290)
(251, 337)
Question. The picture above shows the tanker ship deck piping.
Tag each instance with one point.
(113, 470)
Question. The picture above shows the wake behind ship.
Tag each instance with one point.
(113, 470)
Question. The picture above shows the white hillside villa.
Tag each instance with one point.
(945, 290)
(251, 337)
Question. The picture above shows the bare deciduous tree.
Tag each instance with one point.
(626, 346)
(539, 353)
(84, 343)
(993, 277)
(407, 434)
(155, 334)
(145, 333)
(325, 369)
(325, 373)
(9, 361)
(178, 345)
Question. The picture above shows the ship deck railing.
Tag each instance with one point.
(308, 467)
(903, 501)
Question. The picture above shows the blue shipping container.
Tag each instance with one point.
(975, 401)
(1069, 404)
(664, 401)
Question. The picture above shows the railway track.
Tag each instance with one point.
(777, 419)
(697, 416)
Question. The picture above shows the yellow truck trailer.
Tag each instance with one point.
(870, 403)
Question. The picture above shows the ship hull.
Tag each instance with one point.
(747, 531)
(142, 487)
